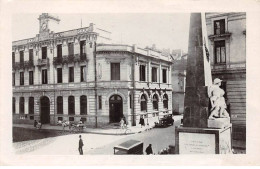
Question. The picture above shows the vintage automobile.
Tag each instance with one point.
(129, 147)
(165, 121)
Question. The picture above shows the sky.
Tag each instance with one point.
(165, 30)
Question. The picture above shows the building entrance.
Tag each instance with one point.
(115, 108)
(45, 110)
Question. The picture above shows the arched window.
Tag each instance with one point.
(21, 105)
(155, 102)
(13, 105)
(165, 101)
(59, 105)
(143, 103)
(83, 105)
(71, 102)
(31, 105)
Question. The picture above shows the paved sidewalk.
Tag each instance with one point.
(109, 130)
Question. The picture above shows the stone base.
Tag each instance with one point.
(218, 123)
(203, 140)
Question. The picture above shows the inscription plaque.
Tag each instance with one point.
(196, 143)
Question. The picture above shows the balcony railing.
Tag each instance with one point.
(57, 61)
(226, 35)
(23, 65)
(29, 64)
(43, 62)
(70, 59)
(229, 66)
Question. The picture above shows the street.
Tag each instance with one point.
(160, 138)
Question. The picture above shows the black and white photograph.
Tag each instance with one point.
(117, 85)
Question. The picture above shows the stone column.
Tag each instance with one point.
(77, 105)
(17, 99)
(149, 72)
(65, 105)
(26, 105)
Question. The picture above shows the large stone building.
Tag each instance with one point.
(71, 76)
(227, 46)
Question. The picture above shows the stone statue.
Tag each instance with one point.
(217, 100)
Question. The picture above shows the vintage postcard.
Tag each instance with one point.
(108, 82)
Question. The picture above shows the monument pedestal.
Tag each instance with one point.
(203, 140)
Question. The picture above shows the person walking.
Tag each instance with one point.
(80, 145)
(142, 122)
(35, 123)
(122, 122)
(149, 150)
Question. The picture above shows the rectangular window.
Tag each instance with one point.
(99, 102)
(30, 77)
(142, 72)
(71, 49)
(13, 58)
(220, 52)
(14, 105)
(130, 101)
(31, 105)
(13, 79)
(83, 73)
(154, 74)
(59, 75)
(115, 71)
(71, 74)
(21, 56)
(21, 78)
(219, 27)
(164, 75)
(59, 51)
(82, 47)
(44, 52)
(21, 105)
(31, 55)
(44, 76)
(59, 105)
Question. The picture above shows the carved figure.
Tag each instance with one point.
(217, 100)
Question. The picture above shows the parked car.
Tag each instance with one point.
(165, 121)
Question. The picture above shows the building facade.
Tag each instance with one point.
(178, 83)
(71, 76)
(227, 46)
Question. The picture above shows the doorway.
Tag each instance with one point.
(115, 108)
(45, 110)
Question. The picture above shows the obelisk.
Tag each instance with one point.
(195, 136)
(198, 76)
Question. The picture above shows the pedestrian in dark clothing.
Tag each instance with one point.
(149, 149)
(35, 123)
(80, 145)
(142, 122)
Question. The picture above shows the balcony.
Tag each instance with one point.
(43, 62)
(83, 58)
(237, 66)
(222, 35)
(23, 65)
(72, 59)
(57, 61)
(28, 64)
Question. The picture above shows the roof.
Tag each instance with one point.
(128, 144)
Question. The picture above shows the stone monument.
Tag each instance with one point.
(206, 125)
